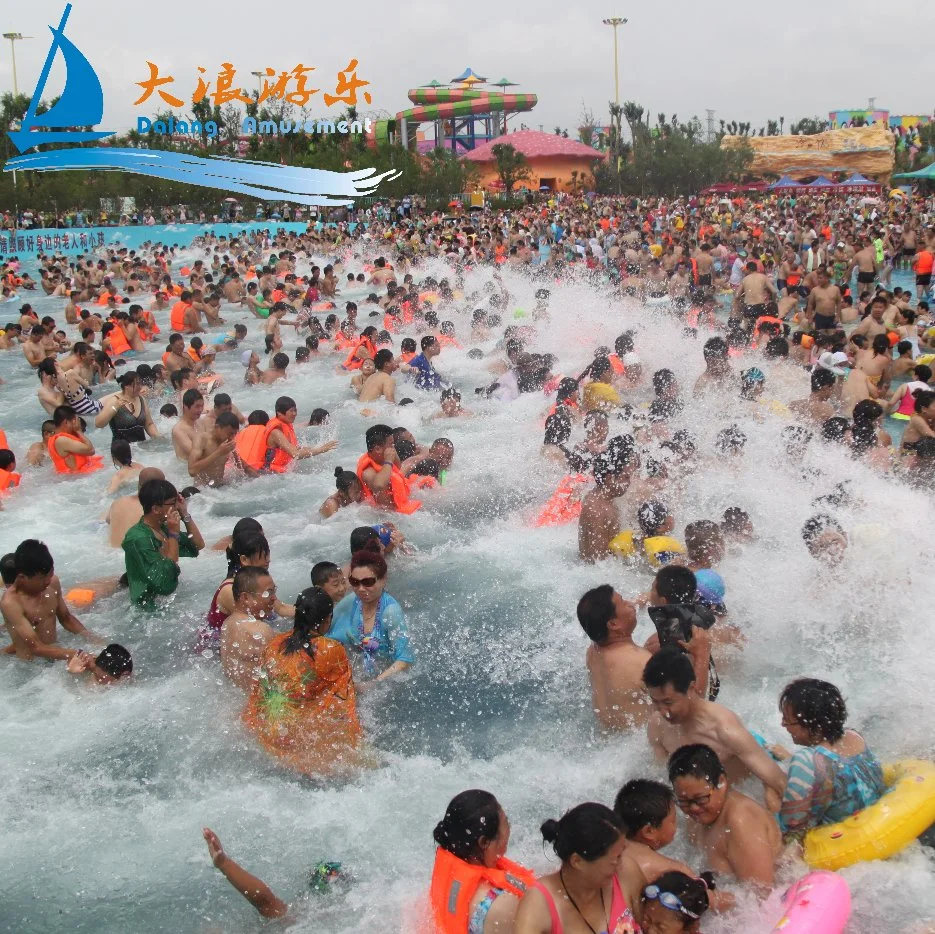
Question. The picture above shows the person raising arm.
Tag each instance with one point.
(254, 890)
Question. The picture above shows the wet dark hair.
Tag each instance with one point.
(121, 452)
(426, 468)
(323, 572)
(7, 569)
(318, 417)
(343, 479)
(312, 608)
(248, 542)
(169, 411)
(246, 578)
(817, 525)
(835, 428)
(641, 802)
(698, 761)
(557, 429)
(822, 379)
(730, 439)
(669, 666)
(377, 436)
(651, 517)
(923, 397)
(676, 584)
(470, 816)
(703, 539)
(32, 557)
(692, 893)
(735, 518)
(589, 830)
(154, 493)
(364, 538)
(115, 660)
(595, 611)
(818, 706)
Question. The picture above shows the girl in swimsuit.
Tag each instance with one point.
(593, 890)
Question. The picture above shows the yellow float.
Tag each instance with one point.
(884, 828)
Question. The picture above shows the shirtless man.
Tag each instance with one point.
(176, 358)
(753, 295)
(185, 429)
(865, 259)
(823, 308)
(599, 521)
(381, 383)
(873, 324)
(211, 449)
(245, 634)
(705, 265)
(275, 371)
(32, 604)
(38, 346)
(127, 511)
(817, 408)
(718, 372)
(738, 835)
(233, 289)
(615, 662)
(682, 717)
(381, 274)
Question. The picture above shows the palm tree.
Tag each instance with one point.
(782, 120)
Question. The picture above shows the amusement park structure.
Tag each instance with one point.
(464, 113)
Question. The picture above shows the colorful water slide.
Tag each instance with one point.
(450, 103)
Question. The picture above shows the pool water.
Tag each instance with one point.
(106, 791)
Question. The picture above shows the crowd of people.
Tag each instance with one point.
(792, 304)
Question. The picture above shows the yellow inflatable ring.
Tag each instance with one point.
(884, 828)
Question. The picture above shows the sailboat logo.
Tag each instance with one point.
(82, 104)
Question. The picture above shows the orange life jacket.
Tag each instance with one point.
(250, 446)
(277, 295)
(455, 883)
(8, 480)
(3, 441)
(177, 316)
(149, 319)
(196, 355)
(564, 504)
(399, 486)
(616, 363)
(118, 341)
(764, 319)
(353, 362)
(84, 463)
(390, 323)
(105, 298)
(280, 460)
(342, 341)
(447, 341)
(408, 313)
(185, 271)
(406, 357)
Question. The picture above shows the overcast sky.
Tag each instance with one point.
(680, 56)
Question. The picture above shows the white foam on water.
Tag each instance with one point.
(106, 791)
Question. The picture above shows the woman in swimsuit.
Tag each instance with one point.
(593, 890)
(126, 411)
(922, 422)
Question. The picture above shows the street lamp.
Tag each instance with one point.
(615, 21)
(13, 37)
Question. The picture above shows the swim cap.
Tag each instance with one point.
(753, 375)
(245, 357)
(710, 587)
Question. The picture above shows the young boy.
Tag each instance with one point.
(330, 578)
(109, 667)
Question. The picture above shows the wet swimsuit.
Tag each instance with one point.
(620, 920)
(129, 427)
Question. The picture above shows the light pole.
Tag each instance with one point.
(13, 37)
(616, 21)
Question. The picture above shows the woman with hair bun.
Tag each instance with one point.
(348, 491)
(475, 888)
(596, 885)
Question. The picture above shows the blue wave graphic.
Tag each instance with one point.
(259, 179)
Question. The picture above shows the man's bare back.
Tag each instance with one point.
(617, 695)
(243, 642)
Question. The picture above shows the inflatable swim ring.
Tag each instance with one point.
(884, 828)
(819, 903)
(80, 597)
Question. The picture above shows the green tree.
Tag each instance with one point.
(512, 166)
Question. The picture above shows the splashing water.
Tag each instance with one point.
(106, 791)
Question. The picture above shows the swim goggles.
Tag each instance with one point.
(667, 900)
